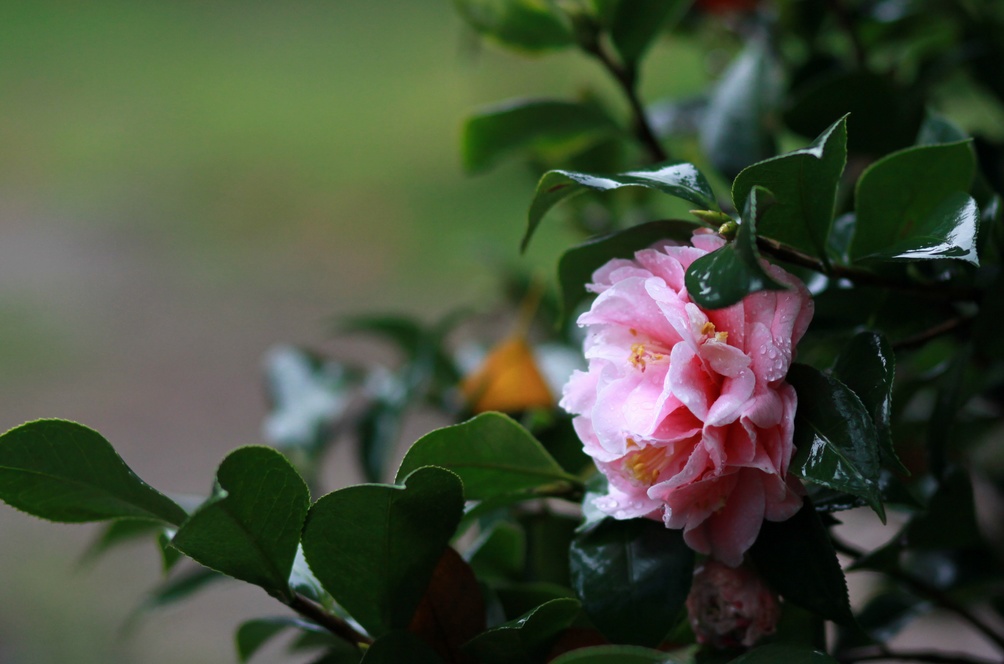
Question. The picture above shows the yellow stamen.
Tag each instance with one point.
(645, 465)
(708, 328)
(638, 356)
(721, 336)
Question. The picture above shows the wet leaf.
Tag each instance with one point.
(678, 179)
(632, 577)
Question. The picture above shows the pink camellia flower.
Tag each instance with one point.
(686, 411)
(730, 607)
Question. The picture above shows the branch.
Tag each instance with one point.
(936, 595)
(932, 332)
(332, 623)
(862, 277)
(626, 78)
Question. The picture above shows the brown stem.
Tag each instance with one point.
(626, 78)
(861, 277)
(932, 593)
(332, 623)
(921, 338)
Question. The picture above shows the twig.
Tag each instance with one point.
(330, 622)
(921, 338)
(861, 277)
(932, 593)
(627, 77)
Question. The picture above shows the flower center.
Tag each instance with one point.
(641, 355)
(708, 329)
(645, 464)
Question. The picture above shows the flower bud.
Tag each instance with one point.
(730, 607)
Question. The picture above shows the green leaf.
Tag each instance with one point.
(911, 205)
(735, 130)
(379, 429)
(804, 183)
(797, 559)
(527, 638)
(867, 365)
(250, 529)
(399, 646)
(633, 578)
(64, 471)
(678, 179)
(615, 655)
(836, 441)
(374, 547)
(938, 129)
(531, 124)
(727, 275)
(949, 231)
(576, 266)
(636, 23)
(523, 25)
(492, 454)
(882, 618)
(784, 652)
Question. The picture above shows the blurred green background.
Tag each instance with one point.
(184, 184)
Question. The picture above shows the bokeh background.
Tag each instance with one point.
(185, 184)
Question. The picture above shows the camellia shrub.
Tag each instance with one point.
(784, 307)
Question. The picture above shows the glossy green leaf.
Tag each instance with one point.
(400, 646)
(804, 183)
(797, 559)
(867, 365)
(736, 128)
(527, 638)
(169, 556)
(949, 231)
(678, 179)
(576, 266)
(374, 547)
(632, 577)
(523, 25)
(615, 655)
(636, 23)
(251, 527)
(913, 201)
(64, 471)
(307, 395)
(775, 653)
(491, 453)
(729, 274)
(496, 132)
(949, 398)
(837, 443)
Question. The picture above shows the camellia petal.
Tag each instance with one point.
(687, 411)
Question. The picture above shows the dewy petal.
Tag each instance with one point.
(733, 529)
(686, 411)
(732, 401)
(689, 381)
